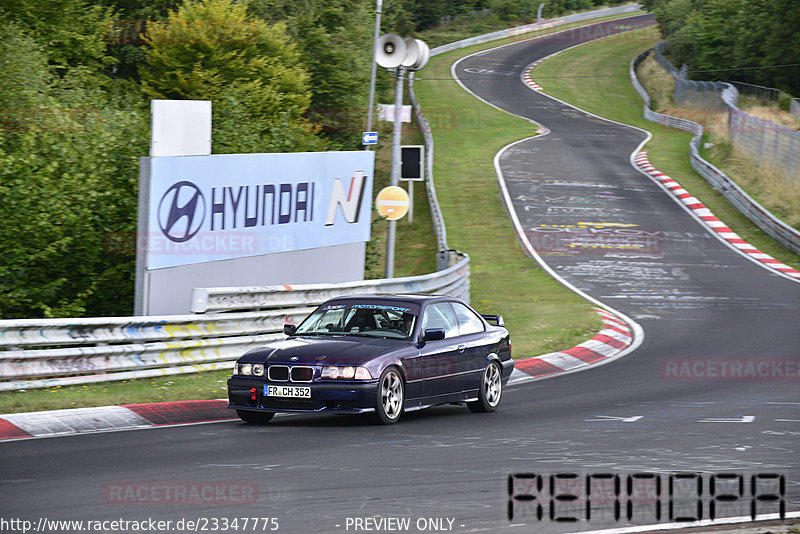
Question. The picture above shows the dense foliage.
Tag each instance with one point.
(69, 139)
(742, 40)
(249, 69)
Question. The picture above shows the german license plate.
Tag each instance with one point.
(292, 392)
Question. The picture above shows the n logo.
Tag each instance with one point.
(349, 200)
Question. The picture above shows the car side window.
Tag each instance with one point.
(440, 315)
(468, 321)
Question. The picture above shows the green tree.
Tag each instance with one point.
(334, 38)
(703, 39)
(24, 73)
(68, 170)
(213, 50)
(768, 33)
(742, 40)
(73, 30)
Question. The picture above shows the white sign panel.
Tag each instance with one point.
(208, 208)
(386, 113)
(180, 127)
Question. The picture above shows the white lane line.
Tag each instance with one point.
(741, 419)
(606, 418)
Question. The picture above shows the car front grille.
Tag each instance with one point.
(285, 373)
(278, 373)
(302, 374)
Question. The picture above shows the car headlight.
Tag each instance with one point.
(250, 369)
(362, 373)
(346, 373)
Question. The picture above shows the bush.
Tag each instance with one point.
(785, 102)
(68, 172)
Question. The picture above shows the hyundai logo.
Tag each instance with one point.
(181, 211)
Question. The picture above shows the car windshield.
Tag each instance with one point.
(362, 319)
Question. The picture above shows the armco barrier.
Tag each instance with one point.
(521, 30)
(452, 281)
(40, 353)
(774, 227)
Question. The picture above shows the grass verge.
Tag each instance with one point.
(208, 385)
(415, 244)
(571, 76)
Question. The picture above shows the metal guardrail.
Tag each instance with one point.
(774, 227)
(520, 30)
(452, 281)
(41, 353)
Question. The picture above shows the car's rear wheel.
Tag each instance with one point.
(389, 399)
(489, 391)
(256, 418)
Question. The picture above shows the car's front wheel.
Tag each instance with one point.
(489, 391)
(389, 398)
(254, 417)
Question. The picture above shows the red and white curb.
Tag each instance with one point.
(526, 72)
(705, 214)
(615, 337)
(53, 423)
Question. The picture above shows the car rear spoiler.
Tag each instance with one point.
(496, 320)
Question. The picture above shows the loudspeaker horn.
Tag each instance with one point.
(412, 51)
(391, 51)
(423, 55)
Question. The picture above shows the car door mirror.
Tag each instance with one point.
(433, 334)
(289, 329)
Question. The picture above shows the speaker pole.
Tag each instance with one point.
(398, 125)
(395, 176)
(374, 69)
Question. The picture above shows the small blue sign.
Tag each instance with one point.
(369, 138)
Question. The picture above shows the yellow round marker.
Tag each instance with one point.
(392, 202)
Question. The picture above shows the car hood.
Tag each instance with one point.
(345, 350)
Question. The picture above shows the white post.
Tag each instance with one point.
(395, 176)
(410, 201)
(371, 104)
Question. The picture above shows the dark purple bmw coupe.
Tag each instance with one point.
(379, 354)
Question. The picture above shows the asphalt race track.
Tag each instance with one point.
(447, 470)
